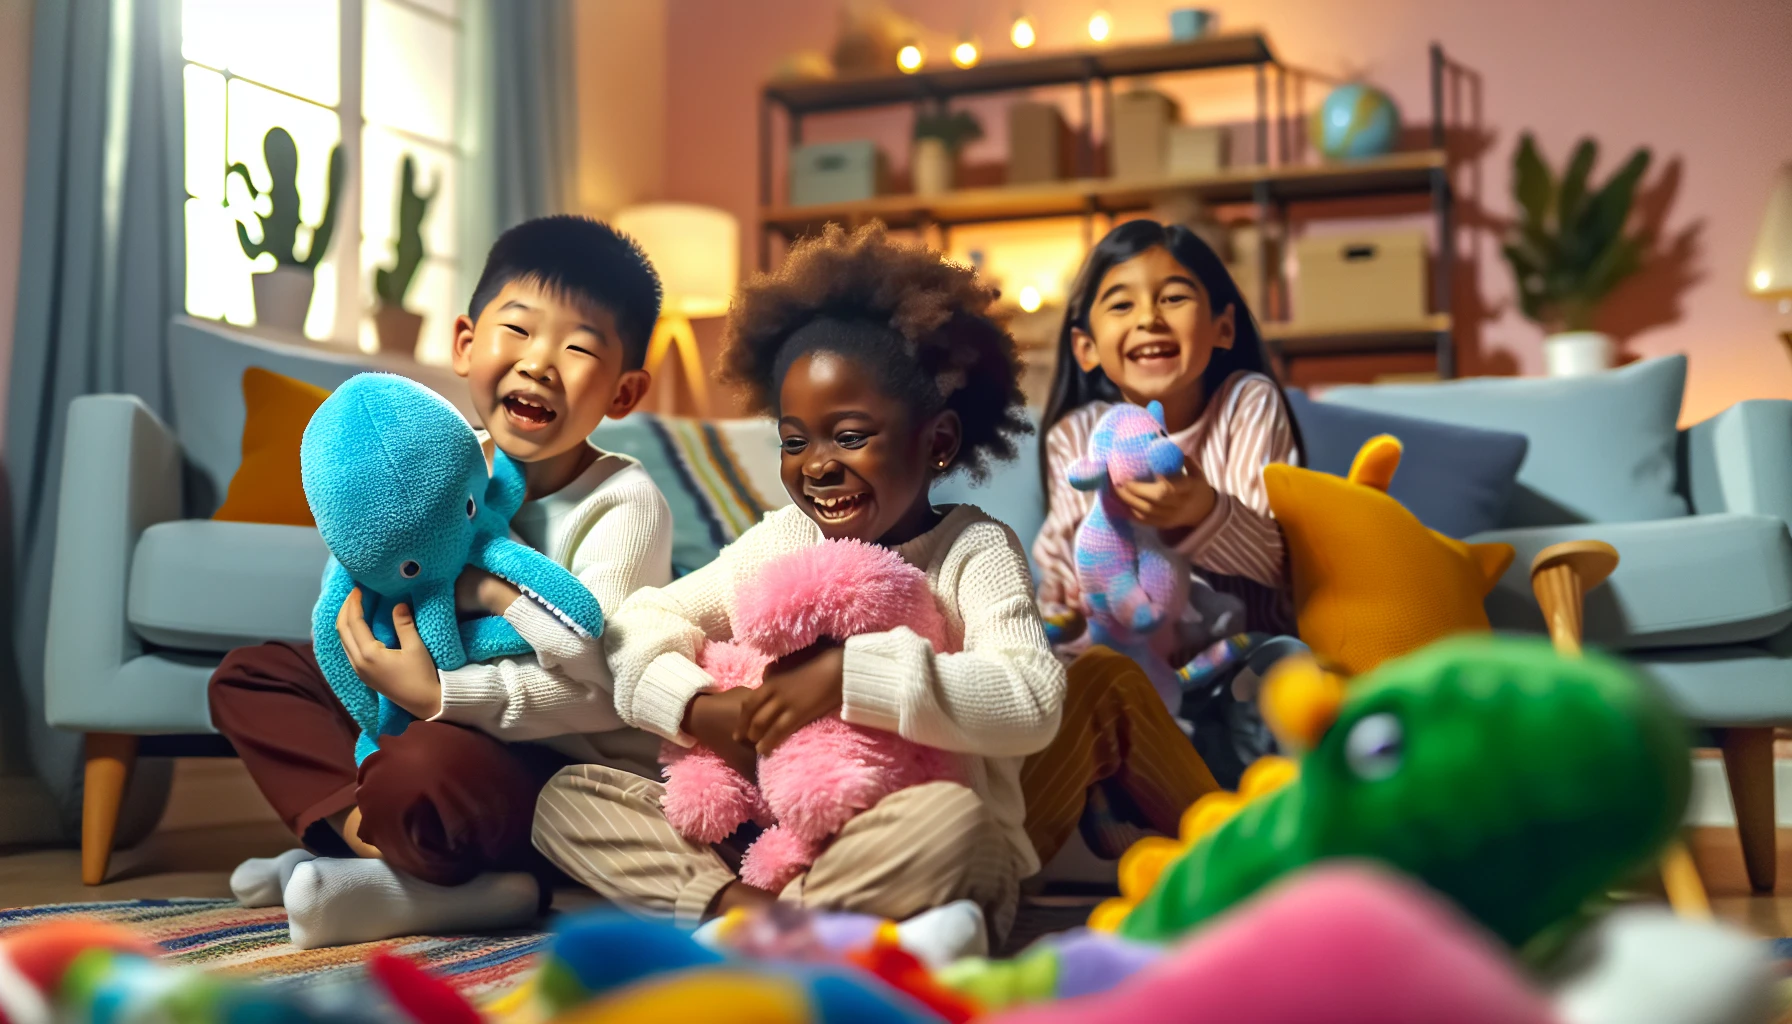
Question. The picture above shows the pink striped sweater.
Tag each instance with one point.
(1243, 428)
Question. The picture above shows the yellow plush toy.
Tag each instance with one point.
(1370, 581)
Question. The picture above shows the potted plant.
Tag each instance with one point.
(938, 137)
(1570, 247)
(397, 326)
(283, 294)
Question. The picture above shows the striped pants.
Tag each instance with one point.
(916, 849)
(1115, 730)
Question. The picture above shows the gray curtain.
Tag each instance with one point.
(103, 271)
(520, 124)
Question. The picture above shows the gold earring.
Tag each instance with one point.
(942, 464)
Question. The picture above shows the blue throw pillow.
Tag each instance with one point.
(1457, 480)
(1604, 447)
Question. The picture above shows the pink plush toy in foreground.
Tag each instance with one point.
(827, 771)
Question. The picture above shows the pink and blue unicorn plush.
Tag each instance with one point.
(1130, 584)
(397, 482)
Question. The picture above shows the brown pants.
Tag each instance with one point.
(1116, 731)
(441, 802)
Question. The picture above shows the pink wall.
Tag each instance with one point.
(1707, 86)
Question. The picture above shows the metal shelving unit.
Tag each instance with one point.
(1271, 184)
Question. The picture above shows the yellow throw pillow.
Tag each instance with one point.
(1370, 581)
(266, 487)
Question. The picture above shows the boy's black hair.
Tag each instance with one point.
(923, 325)
(1073, 387)
(582, 259)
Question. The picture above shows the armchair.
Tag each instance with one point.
(1702, 597)
(147, 594)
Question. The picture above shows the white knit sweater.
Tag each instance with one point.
(612, 529)
(998, 699)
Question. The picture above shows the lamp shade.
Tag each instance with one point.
(696, 250)
(1770, 271)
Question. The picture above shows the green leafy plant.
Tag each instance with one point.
(391, 283)
(952, 127)
(280, 226)
(1571, 244)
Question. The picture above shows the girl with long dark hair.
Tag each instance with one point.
(1154, 316)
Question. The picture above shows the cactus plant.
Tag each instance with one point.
(391, 283)
(280, 226)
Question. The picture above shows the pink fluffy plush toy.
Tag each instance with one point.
(828, 771)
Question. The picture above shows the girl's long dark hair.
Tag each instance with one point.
(1072, 387)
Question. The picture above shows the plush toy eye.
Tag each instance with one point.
(472, 508)
(409, 570)
(1373, 748)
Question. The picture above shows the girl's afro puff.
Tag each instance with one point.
(945, 349)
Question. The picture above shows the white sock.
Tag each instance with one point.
(259, 881)
(944, 934)
(340, 902)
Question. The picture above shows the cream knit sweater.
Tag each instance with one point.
(997, 699)
(612, 529)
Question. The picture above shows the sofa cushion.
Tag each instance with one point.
(268, 486)
(201, 585)
(719, 477)
(1457, 480)
(1692, 581)
(1741, 684)
(1602, 448)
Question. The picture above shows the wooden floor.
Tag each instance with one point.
(216, 820)
(197, 861)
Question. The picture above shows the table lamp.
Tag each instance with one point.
(1770, 271)
(696, 250)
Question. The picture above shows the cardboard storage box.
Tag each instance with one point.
(1197, 149)
(1038, 144)
(1360, 280)
(837, 172)
(1141, 135)
(1247, 241)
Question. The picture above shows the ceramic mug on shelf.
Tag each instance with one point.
(1190, 23)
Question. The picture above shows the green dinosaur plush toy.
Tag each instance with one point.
(1514, 781)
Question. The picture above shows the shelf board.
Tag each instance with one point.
(1297, 339)
(1398, 173)
(857, 91)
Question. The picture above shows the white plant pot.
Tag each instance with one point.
(1577, 353)
(932, 167)
(282, 298)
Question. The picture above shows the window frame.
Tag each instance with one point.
(354, 278)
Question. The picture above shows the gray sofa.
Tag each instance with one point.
(147, 595)
(1702, 596)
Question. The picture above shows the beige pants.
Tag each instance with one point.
(918, 848)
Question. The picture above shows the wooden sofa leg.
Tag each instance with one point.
(1748, 762)
(109, 760)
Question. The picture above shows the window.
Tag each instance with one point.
(253, 65)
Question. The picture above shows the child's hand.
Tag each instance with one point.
(713, 719)
(798, 689)
(477, 593)
(1178, 502)
(407, 676)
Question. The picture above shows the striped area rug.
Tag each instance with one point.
(220, 936)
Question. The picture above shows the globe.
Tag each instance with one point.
(1355, 122)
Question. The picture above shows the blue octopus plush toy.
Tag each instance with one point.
(397, 482)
